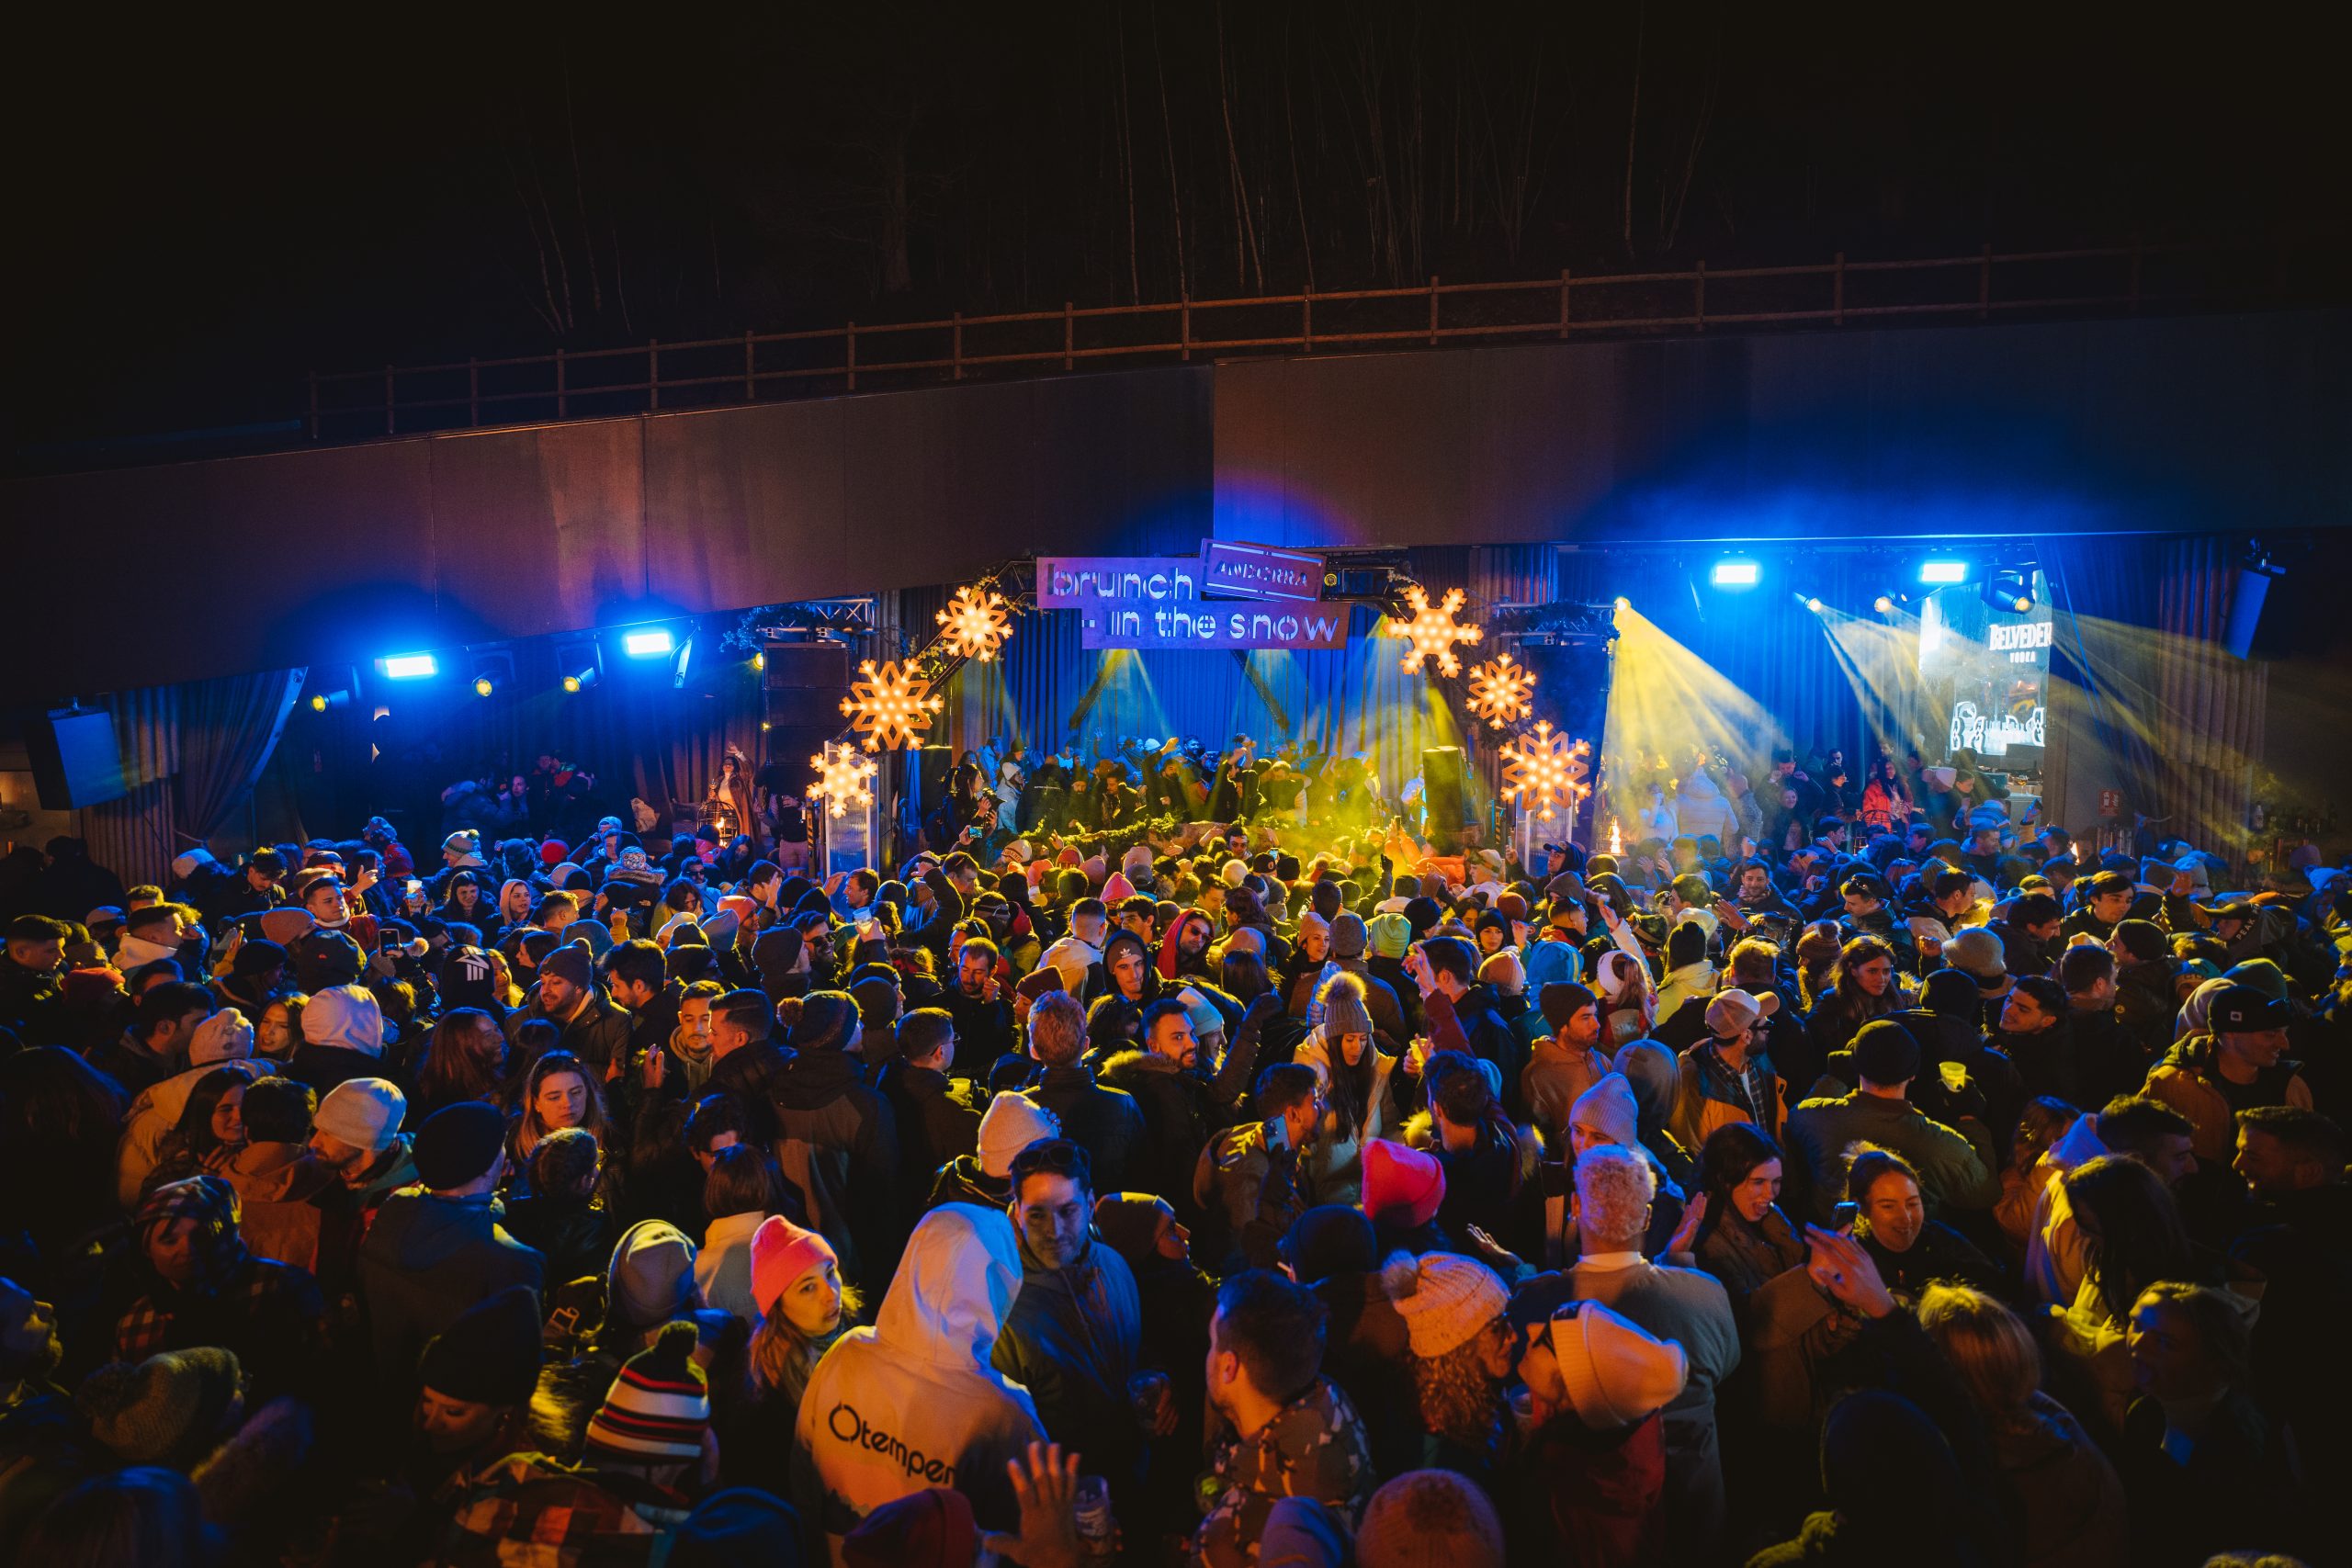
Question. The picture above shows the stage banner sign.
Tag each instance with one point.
(1260, 572)
(1098, 582)
(1214, 626)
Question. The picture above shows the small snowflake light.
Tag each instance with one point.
(1547, 768)
(976, 623)
(844, 778)
(1433, 630)
(1500, 689)
(891, 707)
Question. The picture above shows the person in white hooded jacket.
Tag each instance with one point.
(912, 1402)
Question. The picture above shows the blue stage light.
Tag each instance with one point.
(411, 667)
(1737, 573)
(652, 643)
(1941, 573)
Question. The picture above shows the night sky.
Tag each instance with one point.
(208, 206)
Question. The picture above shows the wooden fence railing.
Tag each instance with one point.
(757, 366)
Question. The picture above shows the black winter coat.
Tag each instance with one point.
(1174, 1104)
(839, 1144)
(1106, 1122)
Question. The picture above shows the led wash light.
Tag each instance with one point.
(655, 643)
(1737, 573)
(1944, 573)
(411, 667)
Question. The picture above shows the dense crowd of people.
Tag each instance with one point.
(1232, 1177)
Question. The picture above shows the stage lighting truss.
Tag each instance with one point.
(891, 707)
(844, 778)
(976, 623)
(1500, 690)
(1432, 630)
(1547, 770)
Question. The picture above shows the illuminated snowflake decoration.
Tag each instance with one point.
(976, 623)
(844, 778)
(1500, 689)
(1433, 630)
(891, 707)
(1546, 768)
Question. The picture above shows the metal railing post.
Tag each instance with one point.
(1433, 309)
(473, 392)
(1070, 337)
(653, 369)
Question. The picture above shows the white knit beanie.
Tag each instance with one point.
(1616, 1371)
(364, 1112)
(1012, 1123)
(1444, 1299)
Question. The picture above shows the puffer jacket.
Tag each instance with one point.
(1173, 1103)
(1106, 1122)
(2186, 1079)
(279, 1187)
(1072, 1339)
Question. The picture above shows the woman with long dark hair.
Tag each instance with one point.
(1741, 1236)
(1886, 801)
(463, 901)
(1359, 1099)
(210, 1129)
(2133, 1236)
(465, 1058)
(1862, 986)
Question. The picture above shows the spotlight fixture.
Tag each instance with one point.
(580, 663)
(493, 670)
(649, 642)
(1734, 572)
(760, 662)
(409, 667)
(1944, 573)
(1884, 605)
(319, 701)
(329, 702)
(2009, 588)
(1622, 604)
(1814, 604)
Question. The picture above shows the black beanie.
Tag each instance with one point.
(1686, 944)
(457, 1144)
(256, 957)
(1422, 913)
(490, 1354)
(826, 1017)
(325, 959)
(2143, 940)
(1329, 1239)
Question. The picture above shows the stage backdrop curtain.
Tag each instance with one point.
(227, 728)
(132, 835)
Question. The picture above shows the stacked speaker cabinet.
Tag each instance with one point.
(806, 683)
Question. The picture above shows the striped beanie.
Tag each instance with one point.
(659, 1408)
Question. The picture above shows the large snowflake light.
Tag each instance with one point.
(844, 778)
(1433, 630)
(891, 707)
(1547, 768)
(976, 623)
(1500, 689)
